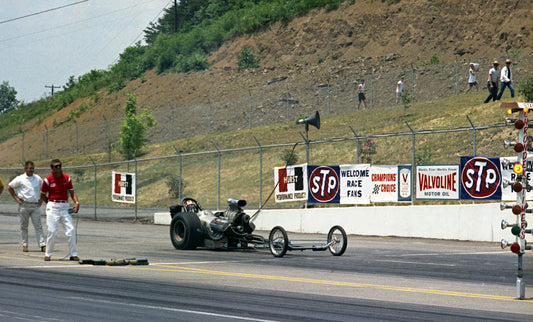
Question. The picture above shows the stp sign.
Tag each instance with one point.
(323, 184)
(480, 178)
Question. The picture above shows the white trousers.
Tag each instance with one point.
(58, 213)
(27, 211)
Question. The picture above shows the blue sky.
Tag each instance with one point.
(47, 48)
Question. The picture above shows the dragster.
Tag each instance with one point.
(194, 227)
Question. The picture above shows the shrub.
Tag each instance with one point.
(173, 184)
(526, 89)
(247, 58)
(369, 149)
(424, 156)
(289, 157)
(434, 59)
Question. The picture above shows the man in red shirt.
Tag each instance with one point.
(55, 190)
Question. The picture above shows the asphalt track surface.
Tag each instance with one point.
(395, 279)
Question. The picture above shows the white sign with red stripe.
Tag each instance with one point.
(123, 187)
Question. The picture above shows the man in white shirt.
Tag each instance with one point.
(492, 82)
(399, 90)
(26, 190)
(506, 79)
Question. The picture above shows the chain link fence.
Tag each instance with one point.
(212, 176)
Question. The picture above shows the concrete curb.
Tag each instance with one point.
(472, 222)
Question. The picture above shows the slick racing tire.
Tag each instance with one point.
(186, 231)
(339, 241)
(278, 241)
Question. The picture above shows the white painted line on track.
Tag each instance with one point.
(153, 307)
(411, 262)
(448, 254)
(214, 262)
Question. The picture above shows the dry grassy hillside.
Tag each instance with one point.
(340, 45)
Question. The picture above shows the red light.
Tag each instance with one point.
(517, 187)
(519, 147)
(518, 124)
(515, 248)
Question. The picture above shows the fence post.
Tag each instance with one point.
(22, 150)
(306, 140)
(76, 125)
(136, 179)
(412, 84)
(357, 145)
(94, 164)
(413, 186)
(218, 183)
(329, 98)
(250, 115)
(372, 89)
(260, 171)
(209, 128)
(474, 134)
(105, 134)
(456, 76)
(287, 102)
(179, 173)
(46, 143)
(172, 122)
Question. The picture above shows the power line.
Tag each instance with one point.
(40, 12)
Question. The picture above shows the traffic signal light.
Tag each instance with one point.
(520, 186)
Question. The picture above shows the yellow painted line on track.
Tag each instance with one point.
(169, 268)
(183, 269)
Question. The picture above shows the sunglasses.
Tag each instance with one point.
(57, 166)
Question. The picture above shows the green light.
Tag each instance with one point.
(515, 230)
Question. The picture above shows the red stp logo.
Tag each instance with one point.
(480, 177)
(323, 183)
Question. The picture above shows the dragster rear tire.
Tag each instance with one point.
(278, 241)
(338, 235)
(186, 231)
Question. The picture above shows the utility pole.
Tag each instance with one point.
(175, 16)
(52, 87)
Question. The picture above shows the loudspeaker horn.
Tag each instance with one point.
(314, 120)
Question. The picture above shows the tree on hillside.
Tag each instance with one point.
(8, 98)
(133, 129)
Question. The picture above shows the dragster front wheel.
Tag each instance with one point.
(337, 240)
(278, 241)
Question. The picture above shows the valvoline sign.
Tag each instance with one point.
(324, 184)
(481, 178)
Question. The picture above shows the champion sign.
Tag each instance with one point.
(480, 178)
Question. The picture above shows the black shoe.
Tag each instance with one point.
(74, 258)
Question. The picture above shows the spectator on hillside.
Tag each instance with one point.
(472, 78)
(506, 79)
(361, 91)
(492, 82)
(399, 90)
(1, 186)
